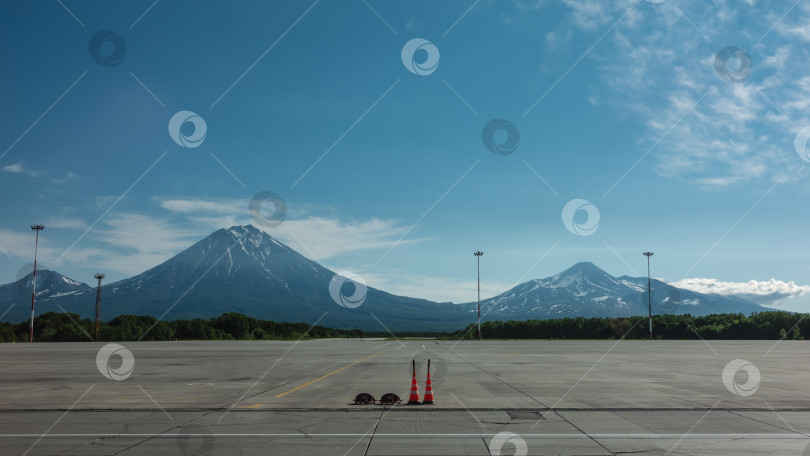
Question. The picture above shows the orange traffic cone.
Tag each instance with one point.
(428, 389)
(414, 399)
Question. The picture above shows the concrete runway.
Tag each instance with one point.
(494, 397)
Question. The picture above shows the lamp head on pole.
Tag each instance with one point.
(37, 227)
(99, 276)
(478, 253)
(648, 254)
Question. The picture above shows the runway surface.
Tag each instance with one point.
(493, 397)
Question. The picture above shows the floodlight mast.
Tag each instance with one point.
(649, 290)
(36, 228)
(478, 257)
(98, 276)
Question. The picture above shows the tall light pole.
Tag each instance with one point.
(478, 257)
(649, 289)
(99, 276)
(36, 228)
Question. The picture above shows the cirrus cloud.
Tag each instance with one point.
(658, 60)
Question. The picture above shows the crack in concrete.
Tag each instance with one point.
(499, 379)
(162, 433)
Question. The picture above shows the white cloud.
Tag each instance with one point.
(20, 246)
(144, 233)
(20, 168)
(659, 61)
(322, 237)
(770, 293)
(133, 243)
(70, 176)
(198, 206)
(800, 31)
(315, 236)
(593, 14)
(66, 222)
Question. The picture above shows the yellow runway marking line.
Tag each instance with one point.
(141, 397)
(252, 406)
(327, 375)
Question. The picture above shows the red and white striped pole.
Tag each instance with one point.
(36, 228)
(649, 290)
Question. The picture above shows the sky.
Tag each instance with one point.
(393, 139)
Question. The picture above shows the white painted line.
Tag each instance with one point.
(383, 345)
(475, 435)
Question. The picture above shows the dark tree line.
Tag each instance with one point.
(763, 325)
(64, 327)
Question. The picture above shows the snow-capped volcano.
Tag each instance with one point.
(49, 283)
(243, 269)
(585, 290)
(238, 261)
(583, 279)
(581, 290)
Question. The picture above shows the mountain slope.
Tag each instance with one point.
(586, 290)
(242, 269)
(15, 297)
(581, 290)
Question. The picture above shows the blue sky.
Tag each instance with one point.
(384, 171)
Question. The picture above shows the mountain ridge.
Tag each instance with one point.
(243, 269)
(589, 291)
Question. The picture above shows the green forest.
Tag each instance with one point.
(764, 325)
(67, 327)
